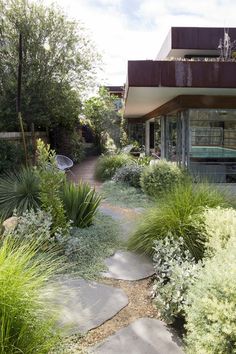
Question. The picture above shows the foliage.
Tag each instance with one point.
(76, 146)
(103, 118)
(27, 324)
(51, 183)
(19, 191)
(129, 174)
(176, 270)
(124, 140)
(37, 226)
(58, 64)
(160, 177)
(125, 196)
(88, 247)
(11, 156)
(179, 213)
(107, 165)
(81, 203)
(67, 142)
(211, 314)
(220, 225)
(144, 160)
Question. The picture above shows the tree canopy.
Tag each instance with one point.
(59, 63)
(102, 116)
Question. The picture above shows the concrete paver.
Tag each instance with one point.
(128, 266)
(144, 336)
(83, 305)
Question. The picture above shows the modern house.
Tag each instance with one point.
(183, 103)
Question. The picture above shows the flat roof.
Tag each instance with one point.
(151, 84)
(182, 41)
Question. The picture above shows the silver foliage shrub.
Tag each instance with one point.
(129, 174)
(37, 225)
(176, 270)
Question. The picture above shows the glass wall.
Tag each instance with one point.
(136, 132)
(212, 144)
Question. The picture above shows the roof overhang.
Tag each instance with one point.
(151, 84)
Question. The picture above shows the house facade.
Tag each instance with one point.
(182, 105)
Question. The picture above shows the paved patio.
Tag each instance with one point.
(85, 172)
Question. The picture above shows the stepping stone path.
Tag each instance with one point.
(84, 305)
(144, 336)
(128, 266)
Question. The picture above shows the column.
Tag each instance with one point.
(147, 137)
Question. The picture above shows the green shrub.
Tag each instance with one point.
(11, 156)
(211, 315)
(27, 324)
(176, 270)
(51, 184)
(220, 225)
(129, 174)
(80, 202)
(77, 148)
(178, 214)
(160, 177)
(108, 164)
(19, 191)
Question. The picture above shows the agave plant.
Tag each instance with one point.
(19, 191)
(80, 203)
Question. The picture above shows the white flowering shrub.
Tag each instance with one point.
(211, 309)
(129, 174)
(176, 270)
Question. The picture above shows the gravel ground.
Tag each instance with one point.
(140, 305)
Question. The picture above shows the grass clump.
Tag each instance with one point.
(26, 322)
(19, 191)
(88, 247)
(81, 203)
(108, 164)
(179, 214)
(124, 195)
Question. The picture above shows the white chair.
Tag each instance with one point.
(64, 163)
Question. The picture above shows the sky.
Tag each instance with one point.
(125, 30)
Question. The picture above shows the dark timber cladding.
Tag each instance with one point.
(184, 102)
(198, 37)
(211, 74)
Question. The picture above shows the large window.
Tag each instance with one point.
(212, 143)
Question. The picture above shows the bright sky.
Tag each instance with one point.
(135, 29)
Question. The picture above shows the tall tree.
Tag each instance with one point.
(102, 116)
(59, 62)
